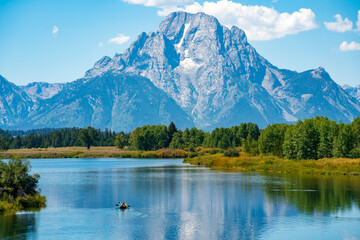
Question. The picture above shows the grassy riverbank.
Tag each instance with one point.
(274, 165)
(93, 152)
(204, 157)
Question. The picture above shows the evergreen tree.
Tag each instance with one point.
(4, 145)
(16, 143)
(171, 129)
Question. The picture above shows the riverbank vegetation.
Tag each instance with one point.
(316, 138)
(18, 188)
(275, 165)
(94, 152)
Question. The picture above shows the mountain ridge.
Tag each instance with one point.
(211, 72)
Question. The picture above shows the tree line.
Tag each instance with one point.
(159, 136)
(312, 139)
(66, 137)
(308, 139)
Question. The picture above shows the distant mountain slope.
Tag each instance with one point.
(114, 101)
(313, 93)
(43, 90)
(353, 91)
(192, 71)
(15, 104)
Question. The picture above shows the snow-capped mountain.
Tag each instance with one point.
(219, 79)
(192, 71)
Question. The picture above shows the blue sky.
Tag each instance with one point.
(58, 40)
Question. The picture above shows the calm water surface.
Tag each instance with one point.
(172, 200)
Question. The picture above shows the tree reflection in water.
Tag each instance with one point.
(17, 226)
(316, 194)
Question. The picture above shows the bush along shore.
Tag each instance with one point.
(18, 188)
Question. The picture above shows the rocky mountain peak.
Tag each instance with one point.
(319, 73)
(212, 72)
(177, 24)
(102, 62)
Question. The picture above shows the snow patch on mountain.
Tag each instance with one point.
(186, 28)
(306, 97)
(189, 64)
(288, 116)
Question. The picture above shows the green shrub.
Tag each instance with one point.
(191, 148)
(214, 151)
(32, 201)
(232, 152)
(18, 188)
(193, 154)
(355, 153)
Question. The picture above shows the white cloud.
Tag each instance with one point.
(258, 22)
(55, 30)
(339, 25)
(119, 39)
(159, 3)
(352, 46)
(101, 44)
(358, 22)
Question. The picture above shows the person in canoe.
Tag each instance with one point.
(123, 205)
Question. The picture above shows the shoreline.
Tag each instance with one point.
(278, 166)
(93, 152)
(203, 157)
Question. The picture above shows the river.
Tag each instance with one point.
(172, 200)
